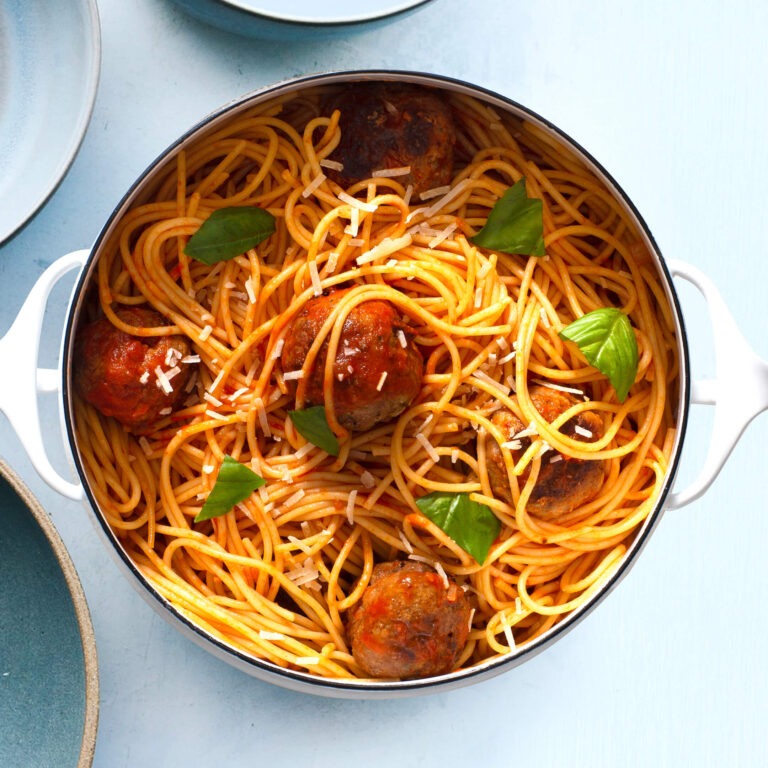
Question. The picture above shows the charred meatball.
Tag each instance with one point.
(561, 486)
(408, 624)
(391, 126)
(370, 346)
(115, 372)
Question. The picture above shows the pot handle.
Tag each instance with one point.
(740, 390)
(18, 391)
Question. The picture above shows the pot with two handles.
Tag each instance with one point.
(739, 392)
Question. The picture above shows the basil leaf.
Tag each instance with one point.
(471, 525)
(229, 232)
(234, 484)
(515, 224)
(312, 424)
(607, 340)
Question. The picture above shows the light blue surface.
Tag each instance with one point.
(48, 76)
(671, 669)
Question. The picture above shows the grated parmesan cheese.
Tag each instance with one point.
(353, 201)
(508, 632)
(250, 291)
(144, 378)
(557, 457)
(333, 259)
(382, 379)
(211, 399)
(581, 431)
(294, 499)
(386, 247)
(367, 479)
(438, 238)
(401, 338)
(189, 359)
(314, 184)
(354, 223)
(292, 375)
(454, 455)
(491, 382)
(304, 450)
(145, 446)
(558, 387)
(264, 635)
(388, 173)
(443, 575)
(406, 543)
(434, 192)
(408, 194)
(317, 288)
(165, 412)
(351, 507)
(208, 468)
(162, 381)
(443, 201)
(428, 447)
(332, 164)
(261, 412)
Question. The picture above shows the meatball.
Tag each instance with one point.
(115, 371)
(408, 624)
(561, 486)
(369, 347)
(391, 126)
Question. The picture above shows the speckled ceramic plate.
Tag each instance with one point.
(50, 53)
(49, 683)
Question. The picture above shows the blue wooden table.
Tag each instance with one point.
(670, 671)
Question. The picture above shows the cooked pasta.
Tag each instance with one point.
(276, 576)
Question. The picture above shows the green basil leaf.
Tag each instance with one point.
(229, 232)
(607, 340)
(234, 484)
(312, 424)
(471, 525)
(515, 224)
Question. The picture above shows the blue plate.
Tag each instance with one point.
(299, 19)
(49, 683)
(49, 69)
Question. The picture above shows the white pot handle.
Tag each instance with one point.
(740, 390)
(19, 390)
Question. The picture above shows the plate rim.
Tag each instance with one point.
(81, 126)
(398, 8)
(82, 614)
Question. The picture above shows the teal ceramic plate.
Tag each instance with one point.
(49, 684)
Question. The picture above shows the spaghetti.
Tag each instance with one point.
(275, 576)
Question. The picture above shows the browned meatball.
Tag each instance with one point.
(408, 624)
(391, 126)
(110, 366)
(561, 486)
(369, 347)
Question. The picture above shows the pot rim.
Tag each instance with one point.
(303, 681)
